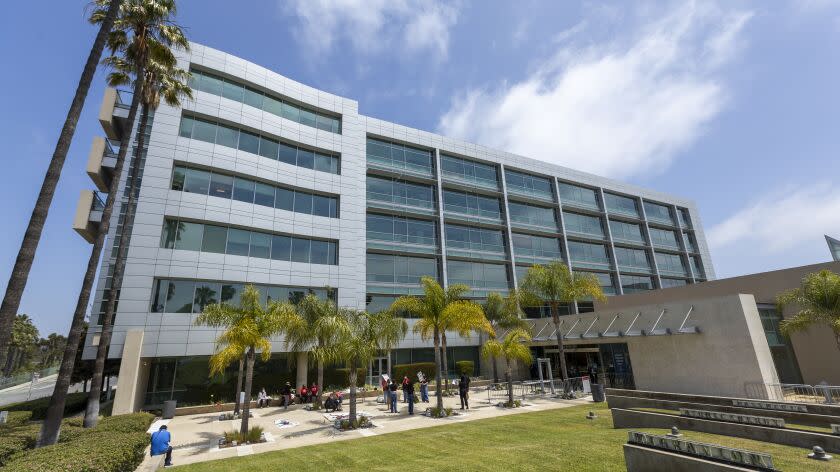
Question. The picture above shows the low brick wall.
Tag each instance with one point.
(629, 419)
(616, 401)
(813, 408)
(646, 459)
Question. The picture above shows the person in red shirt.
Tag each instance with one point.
(304, 394)
(313, 392)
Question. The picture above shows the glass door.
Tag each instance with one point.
(378, 366)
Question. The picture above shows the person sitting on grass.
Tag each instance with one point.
(160, 445)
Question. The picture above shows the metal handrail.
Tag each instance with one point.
(793, 393)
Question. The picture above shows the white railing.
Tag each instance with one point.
(796, 393)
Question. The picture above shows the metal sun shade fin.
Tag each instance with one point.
(654, 331)
(683, 329)
(568, 333)
(586, 334)
(630, 331)
(611, 334)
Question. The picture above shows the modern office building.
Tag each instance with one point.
(833, 247)
(263, 180)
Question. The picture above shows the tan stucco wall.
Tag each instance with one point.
(816, 350)
(133, 375)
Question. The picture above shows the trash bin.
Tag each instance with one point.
(169, 409)
(598, 393)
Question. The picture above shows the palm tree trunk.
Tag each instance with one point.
(555, 316)
(438, 390)
(320, 384)
(354, 377)
(236, 403)
(249, 379)
(509, 378)
(52, 422)
(92, 410)
(445, 362)
(26, 253)
(495, 371)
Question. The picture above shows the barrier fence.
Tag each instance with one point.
(6, 382)
(498, 392)
(796, 393)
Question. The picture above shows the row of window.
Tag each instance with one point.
(224, 135)
(472, 204)
(399, 229)
(475, 239)
(188, 236)
(215, 184)
(471, 171)
(191, 296)
(239, 92)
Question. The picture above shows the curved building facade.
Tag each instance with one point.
(263, 180)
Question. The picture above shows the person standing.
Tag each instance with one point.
(160, 445)
(464, 391)
(286, 392)
(392, 386)
(408, 392)
(405, 395)
(386, 393)
(424, 387)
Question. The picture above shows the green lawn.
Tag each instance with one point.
(550, 440)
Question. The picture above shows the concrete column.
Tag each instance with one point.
(302, 366)
(129, 384)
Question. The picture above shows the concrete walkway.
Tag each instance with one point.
(195, 437)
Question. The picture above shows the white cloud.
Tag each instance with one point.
(371, 26)
(620, 108)
(782, 221)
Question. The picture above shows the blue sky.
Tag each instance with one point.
(733, 104)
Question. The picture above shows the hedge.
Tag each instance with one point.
(16, 439)
(410, 370)
(342, 377)
(465, 368)
(100, 451)
(17, 418)
(75, 403)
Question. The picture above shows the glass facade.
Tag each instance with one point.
(272, 148)
(463, 170)
(191, 296)
(578, 196)
(391, 269)
(402, 193)
(530, 185)
(621, 205)
(271, 103)
(632, 260)
(635, 283)
(523, 214)
(665, 238)
(473, 205)
(588, 256)
(535, 249)
(670, 264)
(398, 230)
(626, 232)
(189, 236)
(690, 242)
(215, 184)
(466, 240)
(697, 267)
(477, 275)
(658, 213)
(584, 225)
(781, 349)
(400, 157)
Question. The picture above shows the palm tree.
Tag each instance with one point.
(320, 323)
(467, 318)
(503, 313)
(32, 236)
(249, 328)
(360, 337)
(818, 302)
(162, 79)
(23, 340)
(512, 349)
(434, 311)
(553, 284)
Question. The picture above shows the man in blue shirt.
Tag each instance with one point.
(160, 445)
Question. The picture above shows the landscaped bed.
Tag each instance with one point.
(560, 439)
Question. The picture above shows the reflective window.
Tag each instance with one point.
(476, 239)
(664, 238)
(221, 185)
(178, 177)
(623, 231)
(399, 156)
(518, 182)
(240, 242)
(197, 181)
(532, 215)
(583, 224)
(697, 267)
(606, 281)
(657, 212)
(632, 259)
(685, 219)
(188, 296)
(253, 143)
(179, 296)
(587, 253)
(384, 268)
(472, 204)
(635, 283)
(527, 245)
(690, 242)
(401, 230)
(621, 204)
(666, 283)
(400, 192)
(243, 190)
(670, 264)
(234, 90)
(206, 293)
(478, 275)
(583, 196)
(471, 171)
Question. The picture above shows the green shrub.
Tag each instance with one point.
(341, 378)
(130, 423)
(93, 451)
(75, 403)
(253, 436)
(17, 418)
(14, 439)
(402, 370)
(465, 368)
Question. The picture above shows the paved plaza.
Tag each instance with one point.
(195, 437)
